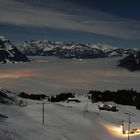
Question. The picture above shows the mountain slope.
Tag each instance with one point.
(131, 62)
(10, 53)
(7, 97)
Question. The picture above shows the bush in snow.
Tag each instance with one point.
(32, 96)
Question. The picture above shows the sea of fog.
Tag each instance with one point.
(50, 75)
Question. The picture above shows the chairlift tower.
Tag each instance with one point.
(129, 123)
(43, 113)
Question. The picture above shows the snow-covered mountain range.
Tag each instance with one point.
(13, 54)
(10, 53)
(72, 49)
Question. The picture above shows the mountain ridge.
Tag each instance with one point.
(72, 49)
(9, 53)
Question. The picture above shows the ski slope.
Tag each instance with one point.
(64, 121)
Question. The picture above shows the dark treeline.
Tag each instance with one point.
(32, 96)
(56, 98)
(61, 97)
(124, 97)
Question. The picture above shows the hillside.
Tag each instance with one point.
(131, 62)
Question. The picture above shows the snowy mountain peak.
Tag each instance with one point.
(2, 38)
(103, 47)
(9, 52)
(72, 49)
(5, 43)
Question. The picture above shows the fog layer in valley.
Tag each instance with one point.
(51, 75)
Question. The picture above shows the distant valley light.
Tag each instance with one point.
(16, 73)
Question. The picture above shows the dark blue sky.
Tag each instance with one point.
(114, 22)
(124, 8)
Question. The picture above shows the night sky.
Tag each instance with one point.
(114, 22)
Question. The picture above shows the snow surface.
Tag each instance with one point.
(64, 121)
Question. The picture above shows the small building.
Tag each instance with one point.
(73, 100)
(107, 107)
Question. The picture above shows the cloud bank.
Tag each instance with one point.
(67, 15)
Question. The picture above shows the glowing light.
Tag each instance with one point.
(118, 130)
(134, 131)
(115, 130)
(16, 73)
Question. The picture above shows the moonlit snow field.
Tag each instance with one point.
(66, 121)
(50, 75)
